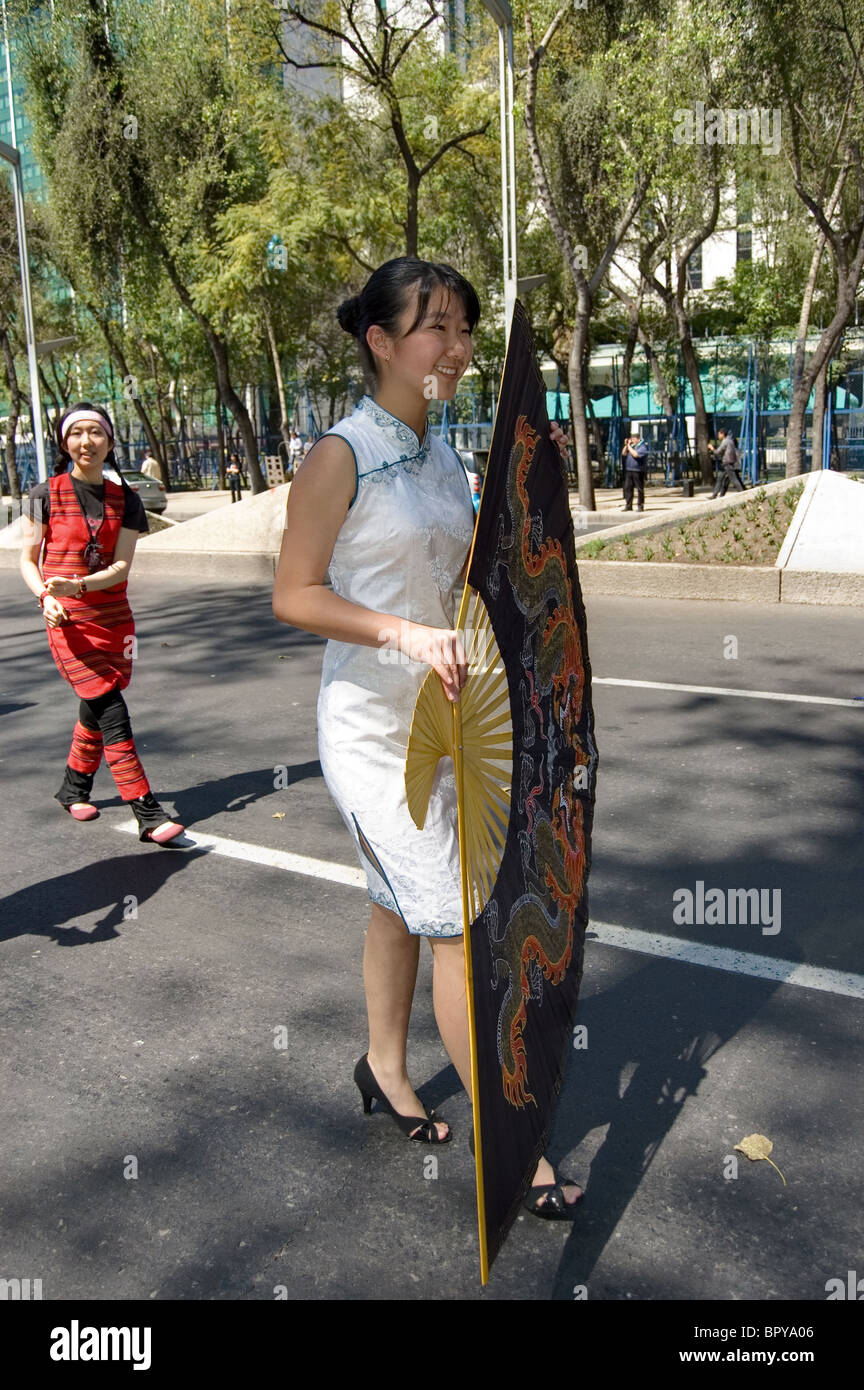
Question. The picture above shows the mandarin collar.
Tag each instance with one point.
(394, 427)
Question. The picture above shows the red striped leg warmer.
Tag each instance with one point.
(126, 769)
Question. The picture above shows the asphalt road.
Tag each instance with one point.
(158, 1141)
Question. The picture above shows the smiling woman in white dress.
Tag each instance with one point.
(384, 506)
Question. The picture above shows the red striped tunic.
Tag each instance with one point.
(93, 650)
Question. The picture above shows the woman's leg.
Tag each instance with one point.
(389, 975)
(83, 761)
(112, 716)
(120, 752)
(451, 1014)
(450, 1002)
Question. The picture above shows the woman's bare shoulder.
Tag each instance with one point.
(327, 477)
(331, 452)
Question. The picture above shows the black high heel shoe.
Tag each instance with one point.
(423, 1128)
(548, 1200)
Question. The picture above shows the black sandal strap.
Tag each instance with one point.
(555, 1199)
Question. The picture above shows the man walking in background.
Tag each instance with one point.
(726, 460)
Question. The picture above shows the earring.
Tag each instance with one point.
(387, 358)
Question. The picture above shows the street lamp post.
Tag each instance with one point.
(503, 16)
(12, 155)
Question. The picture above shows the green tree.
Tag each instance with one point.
(810, 64)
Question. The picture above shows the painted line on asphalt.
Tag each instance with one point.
(272, 858)
(784, 972)
(727, 690)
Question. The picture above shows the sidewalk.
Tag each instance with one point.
(182, 505)
(187, 504)
(659, 500)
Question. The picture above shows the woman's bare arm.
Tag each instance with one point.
(318, 503)
(33, 533)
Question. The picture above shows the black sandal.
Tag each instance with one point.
(153, 821)
(75, 791)
(423, 1127)
(555, 1207)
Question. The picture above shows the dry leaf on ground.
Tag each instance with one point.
(756, 1146)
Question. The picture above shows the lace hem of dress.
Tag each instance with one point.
(425, 928)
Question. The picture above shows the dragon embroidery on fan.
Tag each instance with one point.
(536, 944)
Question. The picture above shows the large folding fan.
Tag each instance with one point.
(521, 739)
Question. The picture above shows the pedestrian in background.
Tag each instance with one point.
(150, 467)
(295, 450)
(726, 455)
(635, 459)
(89, 526)
(235, 478)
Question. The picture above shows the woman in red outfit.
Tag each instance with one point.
(89, 526)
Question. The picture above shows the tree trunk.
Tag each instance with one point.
(819, 396)
(627, 363)
(700, 415)
(49, 398)
(594, 428)
(179, 419)
(578, 400)
(14, 414)
(237, 408)
(825, 350)
(795, 459)
(117, 352)
(658, 374)
(411, 216)
(280, 387)
(220, 439)
(219, 350)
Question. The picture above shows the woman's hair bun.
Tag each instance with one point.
(348, 314)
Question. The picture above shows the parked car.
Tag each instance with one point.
(474, 462)
(151, 492)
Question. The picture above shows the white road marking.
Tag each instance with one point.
(273, 858)
(727, 690)
(785, 972)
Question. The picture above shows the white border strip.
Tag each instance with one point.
(726, 690)
(785, 972)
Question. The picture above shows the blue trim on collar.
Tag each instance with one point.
(395, 427)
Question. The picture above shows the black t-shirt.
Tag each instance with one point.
(91, 497)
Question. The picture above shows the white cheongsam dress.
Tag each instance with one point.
(401, 551)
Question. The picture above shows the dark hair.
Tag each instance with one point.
(64, 458)
(386, 294)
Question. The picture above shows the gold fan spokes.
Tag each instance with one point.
(478, 729)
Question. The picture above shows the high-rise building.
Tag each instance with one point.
(33, 178)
